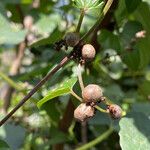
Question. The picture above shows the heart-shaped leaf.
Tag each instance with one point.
(131, 5)
(135, 132)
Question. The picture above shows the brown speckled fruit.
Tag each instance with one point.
(83, 112)
(115, 111)
(92, 93)
(72, 39)
(88, 52)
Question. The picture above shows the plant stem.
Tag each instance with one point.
(10, 82)
(97, 140)
(102, 15)
(84, 132)
(36, 88)
(82, 13)
(76, 96)
(100, 109)
(71, 132)
(107, 101)
(80, 77)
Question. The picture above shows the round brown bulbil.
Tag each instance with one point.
(88, 52)
(83, 112)
(72, 39)
(92, 93)
(115, 111)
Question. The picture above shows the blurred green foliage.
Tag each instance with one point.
(121, 68)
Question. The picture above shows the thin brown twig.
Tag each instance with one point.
(36, 88)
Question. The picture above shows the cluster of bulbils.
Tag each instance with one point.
(92, 94)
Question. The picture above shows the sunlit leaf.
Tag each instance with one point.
(64, 88)
(9, 35)
(51, 39)
(88, 4)
(47, 23)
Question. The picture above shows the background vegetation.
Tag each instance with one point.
(28, 31)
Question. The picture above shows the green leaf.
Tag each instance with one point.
(47, 23)
(52, 111)
(110, 91)
(88, 4)
(121, 12)
(57, 136)
(129, 30)
(142, 107)
(64, 88)
(142, 14)
(4, 145)
(109, 40)
(131, 59)
(11, 1)
(144, 88)
(13, 134)
(140, 56)
(135, 132)
(9, 35)
(147, 1)
(52, 38)
(144, 52)
(10, 81)
(18, 1)
(131, 5)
